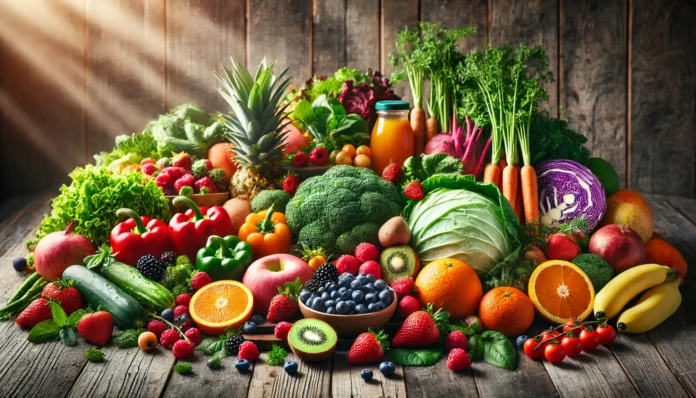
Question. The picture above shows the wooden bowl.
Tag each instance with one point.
(352, 325)
(208, 200)
(306, 172)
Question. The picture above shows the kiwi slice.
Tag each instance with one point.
(399, 262)
(312, 340)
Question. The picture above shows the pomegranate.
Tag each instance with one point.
(618, 245)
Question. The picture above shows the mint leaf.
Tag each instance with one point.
(499, 350)
(416, 357)
(58, 314)
(75, 317)
(68, 335)
(44, 331)
(183, 368)
(217, 359)
(94, 355)
(212, 345)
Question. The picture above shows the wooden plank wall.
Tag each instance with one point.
(76, 73)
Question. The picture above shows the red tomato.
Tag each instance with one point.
(590, 340)
(529, 349)
(570, 325)
(546, 336)
(607, 334)
(554, 353)
(572, 346)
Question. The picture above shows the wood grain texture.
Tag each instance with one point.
(534, 22)
(201, 36)
(125, 65)
(594, 83)
(439, 381)
(329, 34)
(459, 14)
(311, 380)
(663, 121)
(205, 382)
(281, 30)
(529, 380)
(363, 34)
(395, 16)
(346, 380)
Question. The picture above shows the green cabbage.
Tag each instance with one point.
(462, 219)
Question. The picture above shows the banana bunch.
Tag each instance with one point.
(659, 302)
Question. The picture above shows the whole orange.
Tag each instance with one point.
(660, 252)
(507, 310)
(451, 285)
(628, 208)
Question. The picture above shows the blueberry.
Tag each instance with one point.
(182, 318)
(305, 295)
(366, 374)
(521, 340)
(290, 367)
(343, 283)
(318, 304)
(371, 278)
(329, 303)
(342, 308)
(346, 294)
(348, 277)
(343, 289)
(321, 290)
(362, 278)
(379, 306)
(358, 295)
(351, 312)
(331, 310)
(19, 264)
(370, 297)
(325, 296)
(379, 284)
(372, 307)
(335, 295)
(168, 314)
(368, 288)
(387, 368)
(351, 304)
(258, 319)
(385, 297)
(242, 365)
(250, 327)
(332, 287)
(356, 284)
(360, 309)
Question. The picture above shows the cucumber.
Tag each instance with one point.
(99, 292)
(148, 292)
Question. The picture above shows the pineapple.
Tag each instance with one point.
(255, 126)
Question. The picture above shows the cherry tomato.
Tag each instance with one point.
(547, 335)
(349, 149)
(570, 325)
(554, 353)
(362, 160)
(607, 334)
(344, 158)
(590, 340)
(363, 150)
(572, 346)
(529, 349)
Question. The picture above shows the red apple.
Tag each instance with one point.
(562, 247)
(265, 275)
(618, 245)
(295, 140)
(58, 250)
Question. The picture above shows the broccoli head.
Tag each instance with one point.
(598, 270)
(342, 208)
(266, 198)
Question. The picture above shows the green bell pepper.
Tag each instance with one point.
(224, 258)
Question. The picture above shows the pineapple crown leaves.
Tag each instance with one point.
(291, 289)
(382, 338)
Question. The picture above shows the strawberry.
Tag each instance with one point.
(291, 183)
(368, 348)
(183, 349)
(319, 157)
(456, 339)
(156, 327)
(183, 299)
(147, 161)
(199, 280)
(164, 181)
(248, 351)
(371, 267)
(282, 329)
(186, 180)
(366, 252)
(65, 294)
(414, 190)
(347, 263)
(205, 182)
(458, 360)
(284, 304)
(407, 306)
(96, 327)
(208, 164)
(300, 159)
(148, 169)
(419, 330)
(194, 336)
(402, 286)
(37, 311)
(174, 172)
(392, 173)
(182, 160)
(169, 338)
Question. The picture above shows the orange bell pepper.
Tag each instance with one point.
(267, 233)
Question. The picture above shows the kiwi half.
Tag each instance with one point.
(312, 340)
(398, 262)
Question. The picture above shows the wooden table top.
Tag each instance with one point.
(659, 363)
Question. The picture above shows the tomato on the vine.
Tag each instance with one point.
(572, 346)
(554, 353)
(570, 325)
(529, 349)
(546, 335)
(589, 339)
(607, 334)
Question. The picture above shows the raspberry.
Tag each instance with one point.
(300, 159)
(156, 327)
(183, 299)
(168, 338)
(174, 172)
(456, 339)
(291, 183)
(366, 252)
(183, 349)
(186, 180)
(458, 360)
(282, 329)
(194, 335)
(199, 280)
(180, 309)
(148, 168)
(402, 286)
(186, 325)
(347, 263)
(407, 306)
(248, 351)
(319, 156)
(164, 181)
(371, 267)
(205, 182)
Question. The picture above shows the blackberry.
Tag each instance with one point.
(232, 344)
(168, 258)
(151, 267)
(324, 274)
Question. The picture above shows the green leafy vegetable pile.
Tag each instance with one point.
(553, 138)
(329, 124)
(186, 128)
(129, 150)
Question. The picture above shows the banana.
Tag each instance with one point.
(627, 285)
(653, 308)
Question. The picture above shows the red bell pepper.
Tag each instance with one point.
(189, 231)
(138, 236)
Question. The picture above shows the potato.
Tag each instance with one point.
(394, 232)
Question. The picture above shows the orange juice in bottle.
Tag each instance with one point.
(392, 136)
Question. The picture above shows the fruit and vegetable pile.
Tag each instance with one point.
(457, 247)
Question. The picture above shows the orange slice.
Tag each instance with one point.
(221, 306)
(561, 291)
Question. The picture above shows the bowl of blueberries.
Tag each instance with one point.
(351, 305)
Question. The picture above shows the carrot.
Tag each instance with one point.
(431, 128)
(502, 163)
(418, 126)
(530, 194)
(519, 207)
(491, 174)
(510, 180)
